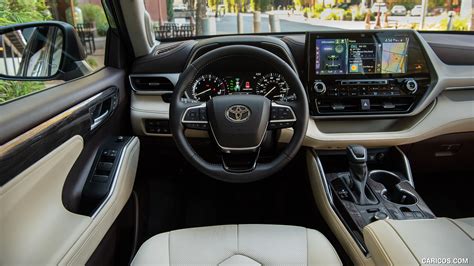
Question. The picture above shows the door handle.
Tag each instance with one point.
(102, 109)
(98, 120)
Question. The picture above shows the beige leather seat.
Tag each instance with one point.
(238, 245)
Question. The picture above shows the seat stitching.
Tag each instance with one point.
(307, 248)
(238, 237)
(169, 248)
(464, 231)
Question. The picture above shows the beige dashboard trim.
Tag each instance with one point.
(39, 129)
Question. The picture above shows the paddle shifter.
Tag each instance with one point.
(357, 156)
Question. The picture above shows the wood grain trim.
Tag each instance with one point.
(43, 127)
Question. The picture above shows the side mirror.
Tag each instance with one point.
(41, 51)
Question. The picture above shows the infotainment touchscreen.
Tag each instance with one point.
(362, 55)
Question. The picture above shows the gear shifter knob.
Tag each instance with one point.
(357, 153)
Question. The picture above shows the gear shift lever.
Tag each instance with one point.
(357, 156)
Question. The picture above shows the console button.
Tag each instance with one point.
(104, 166)
(395, 214)
(333, 92)
(343, 91)
(100, 178)
(365, 104)
(338, 107)
(380, 216)
(388, 105)
(372, 210)
(363, 91)
(418, 214)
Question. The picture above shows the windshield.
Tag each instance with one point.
(187, 18)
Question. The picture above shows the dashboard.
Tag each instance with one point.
(369, 87)
(271, 85)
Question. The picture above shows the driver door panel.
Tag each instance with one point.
(47, 140)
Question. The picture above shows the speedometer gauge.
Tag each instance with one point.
(273, 86)
(206, 87)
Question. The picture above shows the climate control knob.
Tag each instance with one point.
(319, 87)
(411, 86)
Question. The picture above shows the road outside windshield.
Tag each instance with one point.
(187, 18)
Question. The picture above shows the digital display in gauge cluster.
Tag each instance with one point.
(270, 85)
(241, 83)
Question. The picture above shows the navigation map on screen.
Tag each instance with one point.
(394, 55)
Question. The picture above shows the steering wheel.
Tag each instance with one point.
(239, 123)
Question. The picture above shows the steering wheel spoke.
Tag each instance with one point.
(195, 117)
(281, 116)
(240, 162)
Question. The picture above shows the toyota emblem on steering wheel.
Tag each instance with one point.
(237, 113)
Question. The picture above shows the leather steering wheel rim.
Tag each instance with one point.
(261, 170)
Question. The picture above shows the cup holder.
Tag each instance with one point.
(392, 192)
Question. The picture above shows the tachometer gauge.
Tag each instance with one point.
(206, 87)
(273, 86)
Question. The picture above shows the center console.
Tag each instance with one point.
(365, 186)
(366, 73)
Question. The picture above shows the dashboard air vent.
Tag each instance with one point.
(151, 84)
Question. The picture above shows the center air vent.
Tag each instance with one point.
(151, 84)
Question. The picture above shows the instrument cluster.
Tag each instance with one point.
(270, 85)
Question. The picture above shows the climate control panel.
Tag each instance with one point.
(366, 96)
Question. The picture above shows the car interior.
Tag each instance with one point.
(335, 147)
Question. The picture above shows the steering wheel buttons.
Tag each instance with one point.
(281, 117)
(192, 115)
(202, 114)
(279, 125)
(198, 126)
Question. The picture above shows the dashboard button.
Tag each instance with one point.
(365, 104)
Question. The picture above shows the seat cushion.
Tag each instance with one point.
(238, 245)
